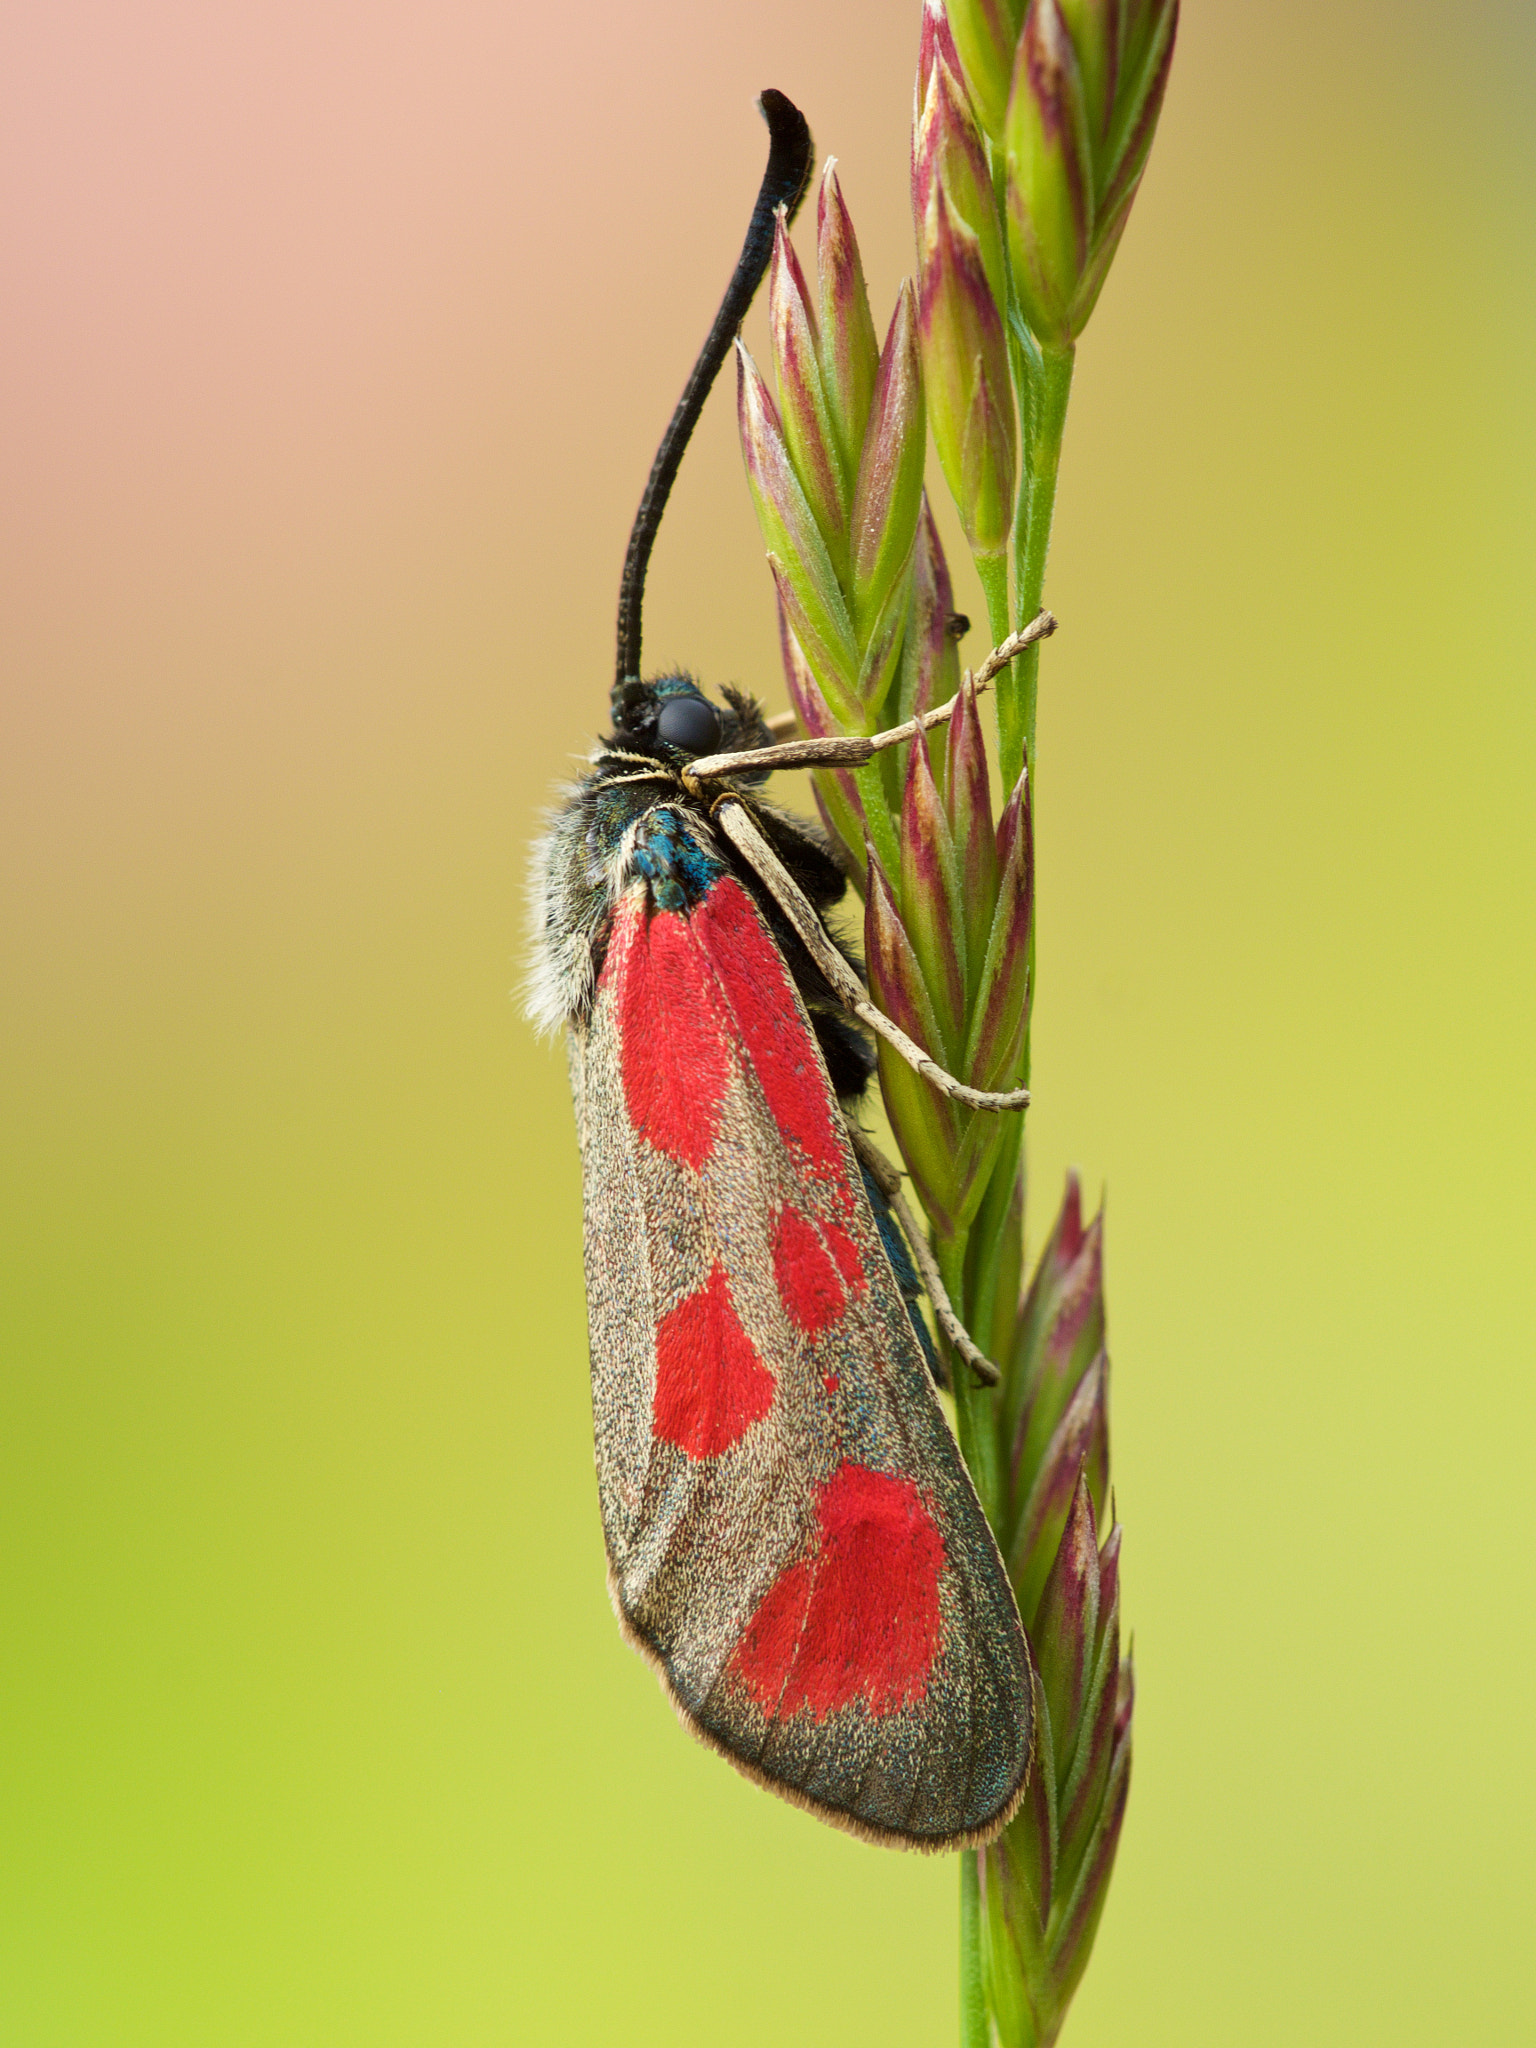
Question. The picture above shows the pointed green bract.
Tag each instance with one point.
(809, 585)
(888, 493)
(1082, 1792)
(1043, 1882)
(985, 33)
(995, 1044)
(1048, 1874)
(826, 641)
(1086, 90)
(994, 1258)
(966, 376)
(930, 661)
(1065, 1631)
(968, 805)
(837, 794)
(924, 1124)
(1096, 28)
(1060, 1333)
(1050, 174)
(809, 431)
(1146, 56)
(849, 351)
(948, 150)
(883, 632)
(932, 908)
(1079, 1448)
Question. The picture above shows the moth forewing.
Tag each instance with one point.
(792, 1538)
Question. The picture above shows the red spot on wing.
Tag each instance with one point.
(846, 1253)
(783, 1053)
(674, 1038)
(857, 1620)
(809, 1285)
(817, 1266)
(711, 1385)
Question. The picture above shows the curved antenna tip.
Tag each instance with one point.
(790, 149)
(785, 183)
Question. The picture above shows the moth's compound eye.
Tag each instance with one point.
(689, 724)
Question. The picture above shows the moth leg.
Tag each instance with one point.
(888, 1180)
(739, 827)
(847, 750)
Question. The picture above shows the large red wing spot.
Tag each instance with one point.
(711, 1385)
(857, 1620)
(813, 1286)
(782, 1051)
(674, 1037)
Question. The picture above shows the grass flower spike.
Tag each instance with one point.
(965, 361)
(1032, 124)
(1043, 1884)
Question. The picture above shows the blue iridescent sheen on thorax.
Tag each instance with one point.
(678, 869)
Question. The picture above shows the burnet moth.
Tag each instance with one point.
(793, 1541)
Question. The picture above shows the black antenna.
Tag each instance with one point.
(784, 184)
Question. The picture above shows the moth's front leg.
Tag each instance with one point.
(848, 750)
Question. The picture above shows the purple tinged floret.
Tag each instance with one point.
(1060, 1332)
(1064, 1632)
(888, 494)
(1096, 28)
(849, 351)
(1084, 1903)
(1050, 174)
(985, 33)
(836, 792)
(1000, 1014)
(930, 661)
(836, 468)
(1087, 88)
(930, 897)
(968, 805)
(1084, 1779)
(797, 553)
(809, 431)
(1079, 1446)
(927, 1128)
(966, 375)
(947, 150)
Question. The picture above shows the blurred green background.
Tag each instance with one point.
(337, 341)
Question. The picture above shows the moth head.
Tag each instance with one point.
(671, 718)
